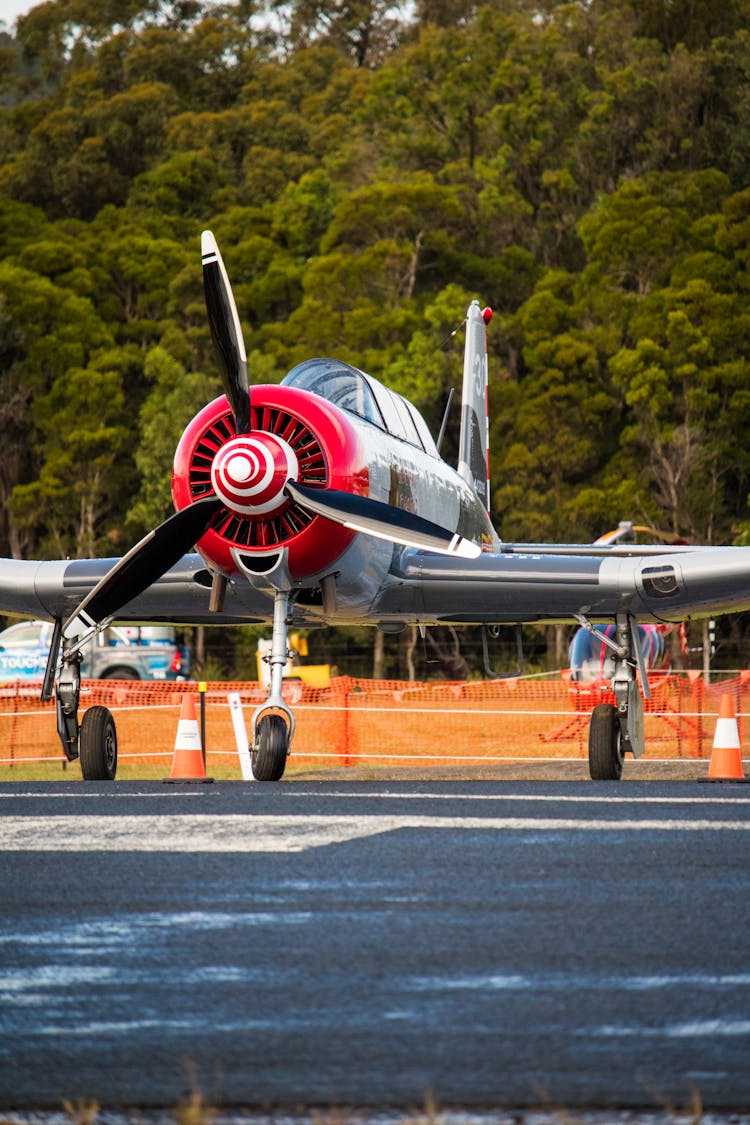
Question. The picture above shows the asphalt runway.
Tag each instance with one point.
(360, 944)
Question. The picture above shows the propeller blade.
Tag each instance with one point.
(226, 331)
(384, 521)
(626, 528)
(145, 562)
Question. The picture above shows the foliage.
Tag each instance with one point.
(369, 168)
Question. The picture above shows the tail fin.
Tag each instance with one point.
(474, 447)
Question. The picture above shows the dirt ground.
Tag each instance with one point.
(571, 770)
(643, 770)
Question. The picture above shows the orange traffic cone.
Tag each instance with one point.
(726, 756)
(188, 764)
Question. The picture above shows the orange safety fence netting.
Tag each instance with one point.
(359, 721)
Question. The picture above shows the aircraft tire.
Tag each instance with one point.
(98, 745)
(269, 760)
(605, 746)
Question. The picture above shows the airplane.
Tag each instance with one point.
(324, 500)
(589, 659)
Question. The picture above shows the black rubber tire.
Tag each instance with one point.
(269, 760)
(605, 744)
(120, 673)
(98, 745)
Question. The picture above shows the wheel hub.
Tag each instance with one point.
(250, 471)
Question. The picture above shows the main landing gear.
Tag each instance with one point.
(605, 744)
(273, 722)
(94, 740)
(618, 728)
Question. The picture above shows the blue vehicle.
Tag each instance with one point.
(115, 654)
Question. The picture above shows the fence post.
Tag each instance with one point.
(698, 691)
(202, 686)
(14, 725)
(340, 699)
(348, 760)
(741, 693)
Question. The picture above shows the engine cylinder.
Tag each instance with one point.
(293, 435)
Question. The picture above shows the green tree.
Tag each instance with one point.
(86, 466)
(176, 396)
(431, 363)
(366, 30)
(581, 167)
(633, 374)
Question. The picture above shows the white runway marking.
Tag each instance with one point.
(77, 791)
(701, 797)
(554, 798)
(247, 833)
(700, 1029)
(575, 982)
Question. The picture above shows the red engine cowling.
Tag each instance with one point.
(293, 435)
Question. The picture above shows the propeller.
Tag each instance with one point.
(226, 331)
(384, 521)
(626, 529)
(153, 556)
(356, 512)
(161, 548)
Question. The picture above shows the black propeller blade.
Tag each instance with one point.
(226, 331)
(146, 561)
(153, 556)
(384, 521)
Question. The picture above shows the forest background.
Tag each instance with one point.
(369, 169)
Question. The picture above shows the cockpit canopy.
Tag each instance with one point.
(360, 394)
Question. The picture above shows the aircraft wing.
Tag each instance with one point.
(527, 586)
(517, 585)
(55, 589)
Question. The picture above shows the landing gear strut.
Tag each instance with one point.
(273, 722)
(67, 696)
(94, 740)
(618, 729)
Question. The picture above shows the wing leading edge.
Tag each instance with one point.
(527, 587)
(523, 586)
(55, 589)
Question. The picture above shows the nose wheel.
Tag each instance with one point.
(272, 748)
(273, 722)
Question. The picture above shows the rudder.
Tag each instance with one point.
(474, 448)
